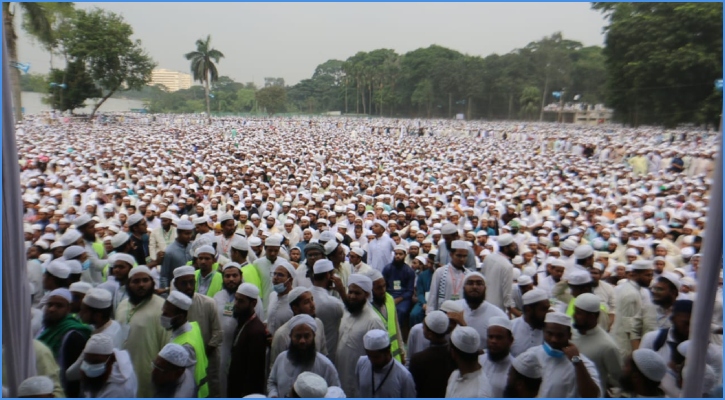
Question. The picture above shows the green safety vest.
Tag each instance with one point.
(251, 275)
(392, 326)
(98, 248)
(193, 338)
(570, 308)
(217, 281)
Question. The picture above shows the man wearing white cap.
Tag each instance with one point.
(162, 237)
(384, 305)
(249, 348)
(36, 386)
(301, 302)
(594, 342)
(635, 315)
(380, 249)
(469, 379)
(476, 310)
(496, 361)
(528, 328)
(302, 356)
(174, 318)
(498, 270)
(177, 253)
(139, 316)
(94, 247)
(579, 282)
(309, 386)
(45, 365)
(378, 373)
(328, 309)
(445, 248)
(224, 241)
(642, 373)
(279, 311)
(524, 377)
(266, 266)
(447, 283)
(432, 366)
(358, 319)
(208, 278)
(565, 372)
(106, 372)
(173, 373)
(523, 284)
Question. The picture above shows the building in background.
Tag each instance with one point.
(172, 80)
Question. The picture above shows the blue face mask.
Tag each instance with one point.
(552, 352)
(279, 288)
(93, 370)
(86, 264)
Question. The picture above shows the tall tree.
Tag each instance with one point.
(203, 68)
(272, 98)
(79, 87)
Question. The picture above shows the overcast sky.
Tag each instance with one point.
(290, 39)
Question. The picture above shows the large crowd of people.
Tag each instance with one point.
(363, 257)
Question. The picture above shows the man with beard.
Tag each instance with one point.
(476, 310)
(302, 356)
(594, 342)
(173, 373)
(174, 319)
(162, 236)
(106, 372)
(358, 319)
(64, 335)
(94, 247)
(177, 253)
(496, 362)
(203, 312)
(664, 294)
(380, 249)
(279, 311)
(556, 270)
(151, 220)
(468, 380)
(306, 237)
(356, 261)
(445, 249)
(378, 373)
(431, 367)
(642, 373)
(498, 270)
(248, 356)
(579, 282)
(524, 377)
(663, 341)
(202, 227)
(266, 266)
(400, 284)
(301, 302)
(239, 252)
(528, 328)
(384, 306)
(633, 309)
(603, 290)
(139, 316)
(328, 308)
(303, 274)
(122, 264)
(137, 227)
(224, 300)
(335, 252)
(295, 256)
(447, 282)
(224, 242)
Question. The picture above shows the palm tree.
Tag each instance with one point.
(39, 24)
(203, 68)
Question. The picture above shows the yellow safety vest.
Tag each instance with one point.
(392, 326)
(98, 248)
(193, 338)
(217, 281)
(250, 274)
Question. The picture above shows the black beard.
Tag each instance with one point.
(138, 299)
(473, 301)
(302, 356)
(166, 390)
(151, 218)
(497, 356)
(242, 316)
(625, 382)
(354, 308)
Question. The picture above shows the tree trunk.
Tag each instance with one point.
(100, 103)
(208, 102)
(370, 98)
(362, 96)
(357, 96)
(381, 98)
(11, 40)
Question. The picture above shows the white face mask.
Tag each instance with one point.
(93, 370)
(166, 322)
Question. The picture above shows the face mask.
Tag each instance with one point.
(166, 322)
(279, 288)
(93, 370)
(552, 352)
(86, 264)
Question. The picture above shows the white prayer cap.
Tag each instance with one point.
(505, 240)
(287, 266)
(500, 321)
(166, 215)
(569, 245)
(300, 319)
(557, 262)
(470, 275)
(201, 220)
(184, 271)
(123, 257)
(402, 248)
(642, 265)
(101, 344)
(528, 365)
(177, 355)
(255, 396)
(180, 300)
(558, 318)
(554, 250)
(579, 277)
(335, 392)
(671, 277)
(380, 222)
(225, 217)
(322, 266)
(184, 225)
(650, 364)
(437, 321)
(240, 243)
(414, 244)
(449, 229)
(310, 385)
(254, 241)
(631, 252)
(524, 280)
(451, 306)
(206, 249)
(70, 236)
(459, 244)
(249, 290)
(466, 339)
(330, 247)
(61, 292)
(98, 298)
(376, 339)
(58, 269)
(326, 236)
(358, 250)
(272, 241)
(39, 385)
(134, 219)
(119, 239)
(374, 274)
(82, 220)
(80, 287)
(587, 302)
(361, 281)
(295, 293)
(582, 252)
(141, 269)
(75, 266)
(534, 296)
(73, 251)
(231, 265)
(517, 260)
